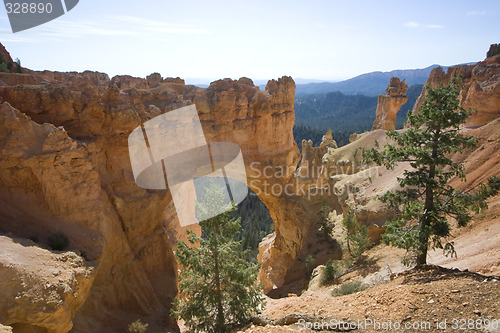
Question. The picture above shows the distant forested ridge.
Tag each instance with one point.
(369, 84)
(335, 110)
(344, 114)
(316, 135)
(413, 93)
(256, 223)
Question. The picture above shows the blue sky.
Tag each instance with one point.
(325, 40)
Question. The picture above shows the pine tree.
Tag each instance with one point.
(19, 68)
(357, 235)
(217, 285)
(425, 199)
(326, 225)
(329, 273)
(349, 223)
(360, 242)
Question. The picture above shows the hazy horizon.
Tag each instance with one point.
(202, 42)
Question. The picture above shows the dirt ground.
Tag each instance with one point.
(416, 301)
(456, 294)
(461, 295)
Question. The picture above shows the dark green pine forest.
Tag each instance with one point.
(256, 223)
(343, 114)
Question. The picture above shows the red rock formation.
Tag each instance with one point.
(8, 59)
(65, 167)
(389, 105)
(480, 88)
(5, 53)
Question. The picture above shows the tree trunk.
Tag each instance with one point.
(423, 236)
(422, 254)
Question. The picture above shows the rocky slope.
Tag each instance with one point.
(429, 300)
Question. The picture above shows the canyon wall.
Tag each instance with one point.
(480, 88)
(65, 168)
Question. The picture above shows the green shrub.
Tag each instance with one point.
(58, 241)
(19, 68)
(4, 68)
(137, 327)
(360, 242)
(494, 50)
(326, 225)
(357, 235)
(309, 262)
(329, 274)
(349, 288)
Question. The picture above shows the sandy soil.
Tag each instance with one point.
(414, 301)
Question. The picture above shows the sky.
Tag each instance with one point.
(207, 40)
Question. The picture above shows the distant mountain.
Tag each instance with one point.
(369, 84)
(341, 112)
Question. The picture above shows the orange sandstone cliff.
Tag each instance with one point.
(65, 168)
(480, 88)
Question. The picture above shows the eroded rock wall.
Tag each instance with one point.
(65, 168)
(480, 89)
(389, 105)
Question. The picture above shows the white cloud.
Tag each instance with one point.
(163, 27)
(160, 39)
(477, 13)
(108, 26)
(412, 24)
(415, 25)
(435, 26)
(16, 39)
(177, 30)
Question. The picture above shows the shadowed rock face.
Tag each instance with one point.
(389, 105)
(480, 88)
(65, 167)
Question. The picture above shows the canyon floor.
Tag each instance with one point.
(461, 294)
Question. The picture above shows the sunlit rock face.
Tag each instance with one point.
(65, 168)
(389, 105)
(480, 88)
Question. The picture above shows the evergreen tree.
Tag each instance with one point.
(3, 64)
(309, 263)
(19, 68)
(425, 199)
(217, 285)
(360, 242)
(329, 273)
(326, 225)
(357, 235)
